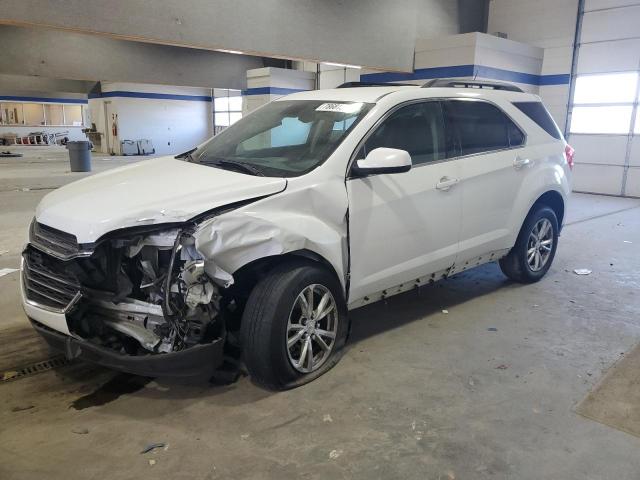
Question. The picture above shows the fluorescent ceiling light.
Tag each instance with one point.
(235, 52)
(342, 65)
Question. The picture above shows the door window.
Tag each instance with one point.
(481, 127)
(417, 128)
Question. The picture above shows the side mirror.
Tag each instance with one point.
(383, 160)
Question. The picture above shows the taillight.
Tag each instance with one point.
(569, 153)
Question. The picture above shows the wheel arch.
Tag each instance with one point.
(250, 273)
(553, 200)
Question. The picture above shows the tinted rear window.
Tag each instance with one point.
(481, 127)
(536, 112)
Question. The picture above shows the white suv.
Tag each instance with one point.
(260, 240)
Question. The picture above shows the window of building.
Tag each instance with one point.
(73, 115)
(604, 103)
(11, 113)
(615, 119)
(39, 114)
(54, 114)
(33, 113)
(607, 88)
(481, 127)
(227, 108)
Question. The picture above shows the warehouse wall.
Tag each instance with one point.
(549, 24)
(175, 119)
(375, 33)
(472, 55)
(65, 55)
(267, 84)
(30, 83)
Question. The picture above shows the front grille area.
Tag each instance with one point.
(45, 284)
(59, 243)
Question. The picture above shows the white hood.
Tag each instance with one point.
(162, 190)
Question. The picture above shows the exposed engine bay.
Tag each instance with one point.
(139, 294)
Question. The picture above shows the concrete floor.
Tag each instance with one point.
(418, 394)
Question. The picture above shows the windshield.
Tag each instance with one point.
(284, 138)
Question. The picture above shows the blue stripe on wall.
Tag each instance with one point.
(469, 71)
(560, 79)
(155, 96)
(271, 91)
(42, 99)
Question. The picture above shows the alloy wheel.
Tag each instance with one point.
(312, 328)
(540, 245)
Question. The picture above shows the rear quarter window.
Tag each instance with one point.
(481, 127)
(536, 112)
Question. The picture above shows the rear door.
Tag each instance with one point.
(406, 225)
(494, 161)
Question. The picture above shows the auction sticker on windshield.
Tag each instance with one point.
(340, 107)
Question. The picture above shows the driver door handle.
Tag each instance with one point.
(518, 163)
(446, 183)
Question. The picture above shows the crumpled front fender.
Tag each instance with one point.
(304, 220)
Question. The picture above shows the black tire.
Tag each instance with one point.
(516, 265)
(265, 318)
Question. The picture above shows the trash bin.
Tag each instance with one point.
(79, 156)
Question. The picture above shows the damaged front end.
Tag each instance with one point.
(134, 299)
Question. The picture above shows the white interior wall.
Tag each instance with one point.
(485, 56)
(267, 84)
(172, 125)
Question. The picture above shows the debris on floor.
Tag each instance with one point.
(327, 418)
(333, 454)
(8, 154)
(2, 252)
(151, 447)
(80, 430)
(22, 408)
(445, 311)
(152, 462)
(627, 241)
(582, 271)
(492, 329)
(502, 367)
(7, 271)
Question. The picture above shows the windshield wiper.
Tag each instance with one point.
(187, 155)
(245, 167)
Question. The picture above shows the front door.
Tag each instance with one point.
(404, 226)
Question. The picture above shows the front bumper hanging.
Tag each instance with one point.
(193, 361)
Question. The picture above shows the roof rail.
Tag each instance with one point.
(456, 83)
(374, 84)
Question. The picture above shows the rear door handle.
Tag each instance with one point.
(446, 183)
(518, 163)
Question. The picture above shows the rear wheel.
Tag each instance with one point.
(532, 255)
(294, 326)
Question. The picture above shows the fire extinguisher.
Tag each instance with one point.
(114, 126)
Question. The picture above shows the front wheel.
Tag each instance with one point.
(532, 255)
(294, 326)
